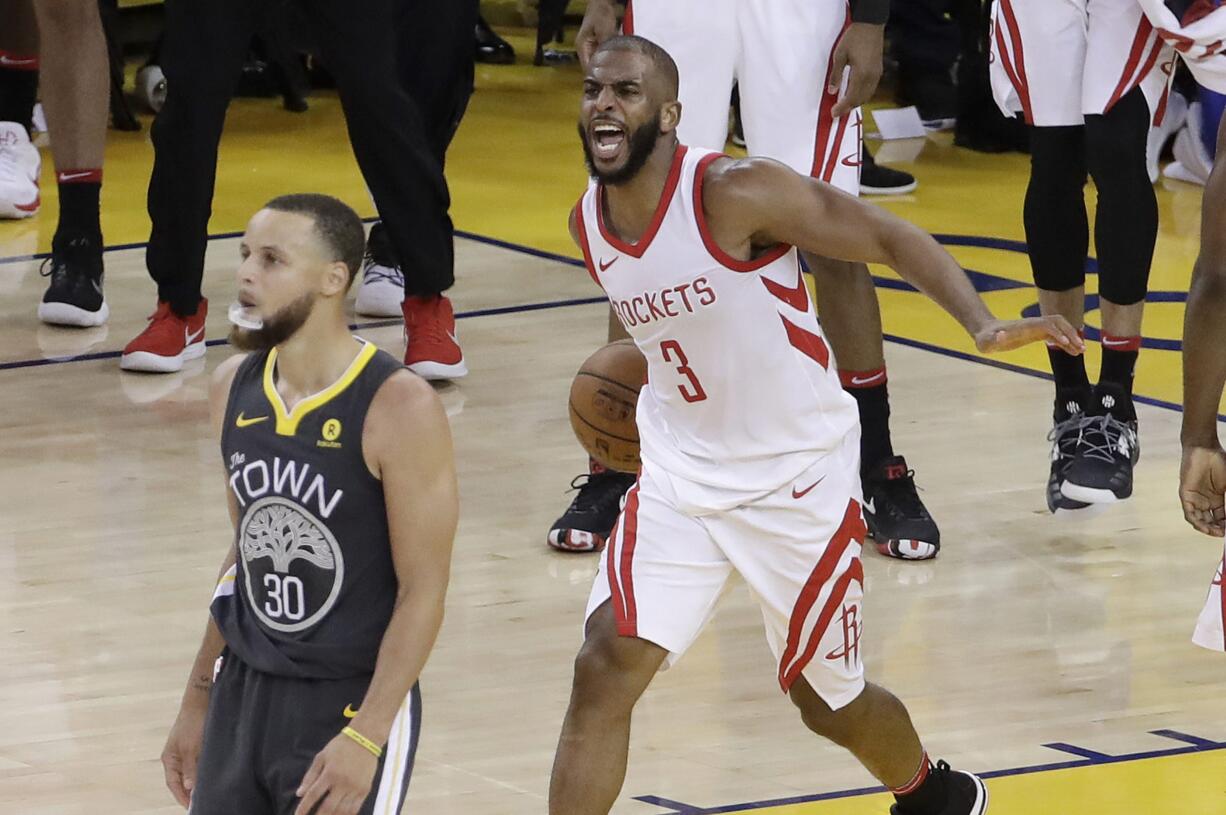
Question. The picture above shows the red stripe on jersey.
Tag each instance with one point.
(1144, 29)
(851, 527)
(837, 596)
(627, 621)
(615, 589)
(1016, 72)
(581, 228)
(808, 343)
(637, 248)
(708, 240)
(796, 297)
(825, 115)
(1222, 600)
(832, 160)
(628, 19)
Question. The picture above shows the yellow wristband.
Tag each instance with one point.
(375, 750)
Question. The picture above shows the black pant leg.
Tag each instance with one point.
(227, 774)
(435, 58)
(202, 54)
(358, 44)
(923, 37)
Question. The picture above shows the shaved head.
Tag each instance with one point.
(663, 68)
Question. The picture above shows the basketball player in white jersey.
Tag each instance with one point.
(788, 58)
(749, 444)
(1202, 478)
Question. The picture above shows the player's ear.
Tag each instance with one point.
(670, 116)
(335, 280)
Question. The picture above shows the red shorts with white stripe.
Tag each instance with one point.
(798, 549)
(1211, 627)
(1055, 61)
(779, 52)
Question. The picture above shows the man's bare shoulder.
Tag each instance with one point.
(729, 181)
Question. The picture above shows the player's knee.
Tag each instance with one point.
(1116, 144)
(609, 673)
(837, 726)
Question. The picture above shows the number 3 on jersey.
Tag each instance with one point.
(671, 351)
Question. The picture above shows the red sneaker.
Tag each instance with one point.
(167, 342)
(432, 350)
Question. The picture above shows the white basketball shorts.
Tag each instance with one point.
(798, 549)
(780, 53)
(1055, 61)
(1211, 627)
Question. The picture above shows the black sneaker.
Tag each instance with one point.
(878, 180)
(1101, 471)
(897, 519)
(588, 521)
(965, 792)
(1065, 437)
(74, 295)
(490, 48)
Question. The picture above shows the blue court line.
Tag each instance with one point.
(1090, 758)
(1073, 749)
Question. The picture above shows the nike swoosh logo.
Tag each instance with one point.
(349, 712)
(9, 62)
(604, 267)
(798, 494)
(797, 296)
(74, 176)
(1110, 343)
(242, 421)
(855, 380)
(189, 338)
(871, 506)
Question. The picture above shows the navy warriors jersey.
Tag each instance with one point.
(313, 586)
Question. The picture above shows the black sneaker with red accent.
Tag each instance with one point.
(588, 521)
(965, 793)
(897, 519)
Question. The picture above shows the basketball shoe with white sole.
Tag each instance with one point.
(20, 164)
(897, 519)
(167, 342)
(965, 793)
(586, 524)
(381, 292)
(74, 294)
(1068, 421)
(1101, 471)
(431, 348)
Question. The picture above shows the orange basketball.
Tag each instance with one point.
(602, 402)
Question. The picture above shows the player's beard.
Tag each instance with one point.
(640, 143)
(277, 328)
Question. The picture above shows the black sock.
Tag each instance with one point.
(927, 795)
(871, 392)
(1072, 383)
(1115, 376)
(80, 191)
(18, 92)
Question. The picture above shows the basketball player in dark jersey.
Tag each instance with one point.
(341, 484)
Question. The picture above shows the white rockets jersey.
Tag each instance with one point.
(742, 394)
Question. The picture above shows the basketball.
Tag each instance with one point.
(602, 401)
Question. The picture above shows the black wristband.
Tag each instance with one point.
(876, 12)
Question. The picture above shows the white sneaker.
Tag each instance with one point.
(382, 290)
(1174, 118)
(20, 164)
(1190, 152)
(151, 87)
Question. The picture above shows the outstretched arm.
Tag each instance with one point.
(1202, 481)
(757, 202)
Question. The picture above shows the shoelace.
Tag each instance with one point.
(376, 271)
(1061, 435)
(591, 498)
(1110, 430)
(904, 495)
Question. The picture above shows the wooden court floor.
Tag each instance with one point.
(1051, 654)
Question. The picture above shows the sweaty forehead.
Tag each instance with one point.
(611, 67)
(292, 231)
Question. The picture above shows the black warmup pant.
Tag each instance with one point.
(263, 731)
(202, 55)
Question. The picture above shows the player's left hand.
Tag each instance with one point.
(860, 49)
(1005, 335)
(1202, 489)
(339, 779)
